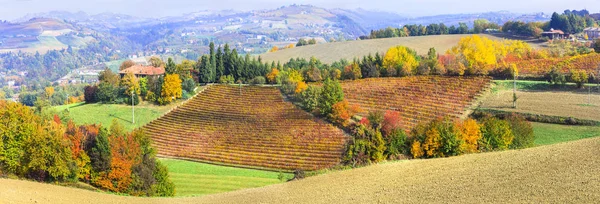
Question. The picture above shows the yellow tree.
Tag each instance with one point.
(131, 82)
(171, 88)
(49, 91)
(478, 52)
(274, 49)
(272, 76)
(401, 57)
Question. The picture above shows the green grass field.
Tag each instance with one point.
(82, 113)
(196, 179)
(547, 134)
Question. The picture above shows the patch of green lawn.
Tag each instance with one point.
(546, 134)
(97, 113)
(196, 179)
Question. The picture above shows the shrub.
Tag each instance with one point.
(579, 77)
(451, 142)
(396, 142)
(416, 150)
(342, 112)
(390, 122)
(331, 93)
(368, 146)
(522, 131)
(375, 119)
(432, 143)
(90, 94)
(310, 98)
(470, 133)
(258, 80)
(188, 85)
(555, 76)
(226, 79)
(497, 134)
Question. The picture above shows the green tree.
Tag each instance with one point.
(170, 68)
(331, 94)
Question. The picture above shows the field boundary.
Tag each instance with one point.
(538, 117)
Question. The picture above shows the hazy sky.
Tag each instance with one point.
(11, 9)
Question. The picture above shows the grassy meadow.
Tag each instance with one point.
(98, 113)
(196, 179)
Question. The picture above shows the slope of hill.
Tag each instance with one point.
(561, 173)
(348, 50)
(418, 99)
(247, 126)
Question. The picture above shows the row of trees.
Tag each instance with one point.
(51, 150)
(479, 26)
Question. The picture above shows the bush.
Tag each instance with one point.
(440, 138)
(188, 85)
(310, 98)
(555, 76)
(396, 143)
(342, 112)
(390, 122)
(579, 77)
(497, 134)
(522, 131)
(470, 133)
(331, 93)
(368, 146)
(258, 80)
(90, 94)
(226, 79)
(416, 151)
(136, 100)
(375, 119)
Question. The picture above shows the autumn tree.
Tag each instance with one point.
(274, 49)
(156, 62)
(131, 83)
(471, 134)
(171, 89)
(272, 76)
(401, 58)
(341, 112)
(126, 64)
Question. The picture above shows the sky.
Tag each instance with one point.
(12, 9)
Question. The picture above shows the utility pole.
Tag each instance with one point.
(132, 107)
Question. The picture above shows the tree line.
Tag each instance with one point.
(52, 150)
(479, 26)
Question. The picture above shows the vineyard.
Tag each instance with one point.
(417, 99)
(247, 126)
(539, 67)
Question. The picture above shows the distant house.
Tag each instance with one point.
(554, 34)
(592, 33)
(144, 71)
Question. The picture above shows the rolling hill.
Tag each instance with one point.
(566, 172)
(247, 126)
(418, 99)
(331, 52)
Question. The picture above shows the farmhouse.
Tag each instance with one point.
(144, 71)
(553, 34)
(592, 33)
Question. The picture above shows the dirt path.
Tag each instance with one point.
(558, 103)
(562, 173)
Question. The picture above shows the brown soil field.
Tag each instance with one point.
(556, 103)
(331, 52)
(561, 173)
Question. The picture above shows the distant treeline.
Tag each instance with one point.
(570, 22)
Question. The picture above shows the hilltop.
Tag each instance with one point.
(331, 52)
(565, 172)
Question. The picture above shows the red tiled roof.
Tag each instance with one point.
(143, 70)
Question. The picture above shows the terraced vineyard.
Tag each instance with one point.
(248, 127)
(417, 99)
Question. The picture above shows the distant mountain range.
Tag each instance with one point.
(249, 31)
